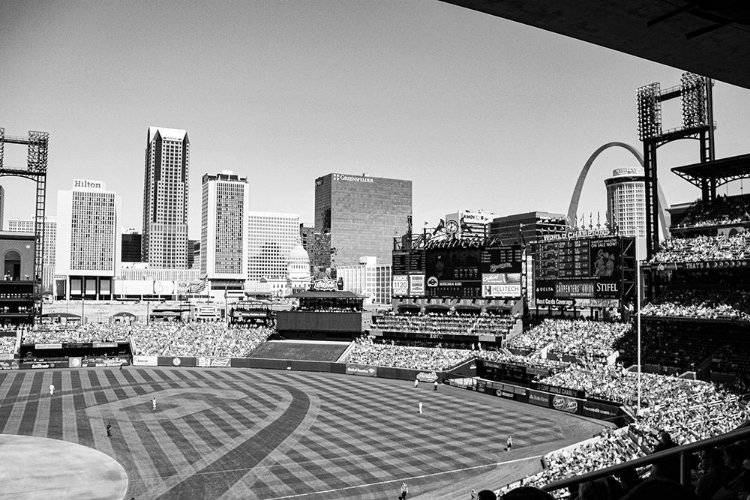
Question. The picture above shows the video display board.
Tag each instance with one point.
(408, 262)
(458, 271)
(501, 271)
(475, 272)
(408, 267)
(453, 272)
(585, 268)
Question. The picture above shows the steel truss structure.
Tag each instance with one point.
(697, 123)
(37, 146)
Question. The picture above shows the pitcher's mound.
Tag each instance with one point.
(39, 468)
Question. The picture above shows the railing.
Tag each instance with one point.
(684, 452)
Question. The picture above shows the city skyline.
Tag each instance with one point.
(478, 112)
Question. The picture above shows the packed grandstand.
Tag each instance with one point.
(695, 348)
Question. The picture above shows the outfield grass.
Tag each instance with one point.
(261, 434)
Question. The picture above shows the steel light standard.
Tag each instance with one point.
(638, 327)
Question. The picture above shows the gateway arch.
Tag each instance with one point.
(573, 208)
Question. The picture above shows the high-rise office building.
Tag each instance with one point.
(131, 245)
(521, 229)
(2, 206)
(368, 278)
(271, 236)
(224, 244)
(89, 236)
(626, 201)
(165, 198)
(363, 214)
(50, 243)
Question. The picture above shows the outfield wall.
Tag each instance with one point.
(568, 401)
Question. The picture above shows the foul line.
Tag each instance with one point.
(301, 495)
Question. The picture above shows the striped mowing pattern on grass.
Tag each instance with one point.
(257, 434)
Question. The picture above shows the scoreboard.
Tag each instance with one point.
(408, 262)
(505, 259)
(589, 270)
(577, 259)
(458, 272)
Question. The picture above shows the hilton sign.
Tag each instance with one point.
(86, 184)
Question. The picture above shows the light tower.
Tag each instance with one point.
(36, 169)
(697, 123)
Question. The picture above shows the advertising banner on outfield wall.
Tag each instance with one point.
(74, 362)
(601, 411)
(8, 365)
(175, 361)
(562, 391)
(562, 403)
(362, 370)
(47, 346)
(213, 362)
(428, 377)
(145, 361)
(40, 365)
(539, 398)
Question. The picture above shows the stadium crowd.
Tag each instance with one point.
(451, 323)
(587, 341)
(367, 352)
(723, 211)
(703, 304)
(207, 339)
(703, 248)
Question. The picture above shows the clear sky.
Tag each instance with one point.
(479, 112)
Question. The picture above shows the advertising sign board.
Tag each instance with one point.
(400, 286)
(501, 285)
(213, 362)
(145, 361)
(362, 370)
(416, 285)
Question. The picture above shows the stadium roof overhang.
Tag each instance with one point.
(718, 171)
(704, 37)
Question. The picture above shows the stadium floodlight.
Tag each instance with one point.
(694, 91)
(649, 111)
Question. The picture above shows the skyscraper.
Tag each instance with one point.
(165, 198)
(89, 233)
(363, 214)
(626, 201)
(2, 206)
(271, 236)
(224, 226)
